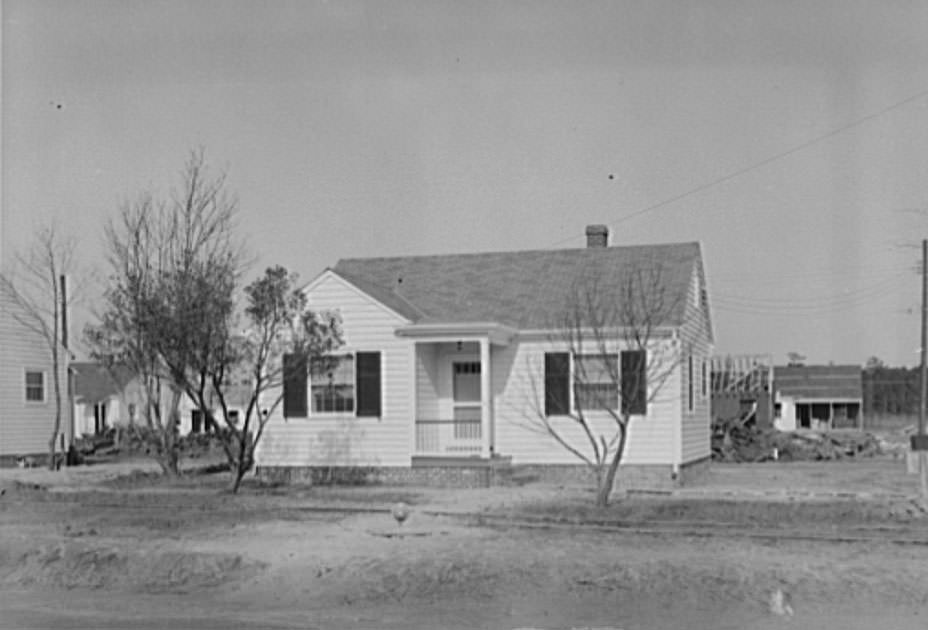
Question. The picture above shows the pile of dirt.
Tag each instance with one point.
(734, 441)
(74, 565)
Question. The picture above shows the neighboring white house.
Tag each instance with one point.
(445, 358)
(27, 394)
(103, 398)
(106, 398)
(818, 397)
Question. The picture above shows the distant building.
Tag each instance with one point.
(107, 398)
(818, 397)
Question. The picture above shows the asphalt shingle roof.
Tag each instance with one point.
(819, 381)
(524, 289)
(93, 382)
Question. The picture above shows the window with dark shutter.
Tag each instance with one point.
(294, 378)
(557, 383)
(634, 382)
(368, 383)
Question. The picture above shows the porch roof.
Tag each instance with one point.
(498, 334)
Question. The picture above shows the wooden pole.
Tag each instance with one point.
(920, 453)
(923, 381)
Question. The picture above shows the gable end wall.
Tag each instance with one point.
(326, 440)
(25, 428)
(695, 426)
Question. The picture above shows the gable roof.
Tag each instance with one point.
(94, 382)
(818, 381)
(526, 290)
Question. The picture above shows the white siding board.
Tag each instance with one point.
(695, 427)
(427, 406)
(25, 428)
(325, 440)
(519, 434)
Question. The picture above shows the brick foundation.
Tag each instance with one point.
(658, 477)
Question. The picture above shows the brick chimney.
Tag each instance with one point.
(597, 236)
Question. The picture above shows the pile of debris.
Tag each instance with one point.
(735, 440)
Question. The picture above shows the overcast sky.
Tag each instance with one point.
(789, 138)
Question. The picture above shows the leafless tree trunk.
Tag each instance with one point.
(35, 288)
(169, 310)
(620, 356)
(278, 323)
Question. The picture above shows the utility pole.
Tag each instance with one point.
(920, 441)
(923, 382)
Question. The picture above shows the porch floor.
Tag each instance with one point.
(459, 461)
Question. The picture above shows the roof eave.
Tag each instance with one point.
(498, 334)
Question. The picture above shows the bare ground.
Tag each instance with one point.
(102, 554)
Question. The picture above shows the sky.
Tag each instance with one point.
(788, 138)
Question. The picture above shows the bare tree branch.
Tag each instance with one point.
(35, 290)
(598, 326)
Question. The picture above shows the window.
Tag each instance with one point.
(333, 384)
(344, 384)
(595, 379)
(596, 386)
(35, 386)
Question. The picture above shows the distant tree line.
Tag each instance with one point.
(890, 390)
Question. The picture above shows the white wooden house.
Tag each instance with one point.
(443, 370)
(27, 394)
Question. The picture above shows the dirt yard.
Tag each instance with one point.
(92, 548)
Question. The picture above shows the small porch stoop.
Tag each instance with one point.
(475, 471)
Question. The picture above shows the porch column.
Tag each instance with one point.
(485, 396)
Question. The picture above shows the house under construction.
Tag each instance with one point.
(742, 388)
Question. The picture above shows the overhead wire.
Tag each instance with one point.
(835, 305)
(756, 165)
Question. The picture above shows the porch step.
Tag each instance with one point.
(461, 461)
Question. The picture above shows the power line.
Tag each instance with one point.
(761, 163)
(880, 287)
(775, 157)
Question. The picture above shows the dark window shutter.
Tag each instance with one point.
(634, 381)
(367, 365)
(294, 377)
(557, 383)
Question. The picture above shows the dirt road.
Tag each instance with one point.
(194, 558)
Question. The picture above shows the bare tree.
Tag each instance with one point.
(616, 359)
(169, 309)
(36, 288)
(281, 337)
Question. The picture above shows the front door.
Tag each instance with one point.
(466, 395)
(99, 418)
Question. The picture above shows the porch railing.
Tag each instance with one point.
(448, 437)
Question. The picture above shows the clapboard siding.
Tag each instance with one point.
(427, 386)
(344, 439)
(25, 428)
(694, 335)
(518, 386)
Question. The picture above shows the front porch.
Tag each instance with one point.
(454, 410)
